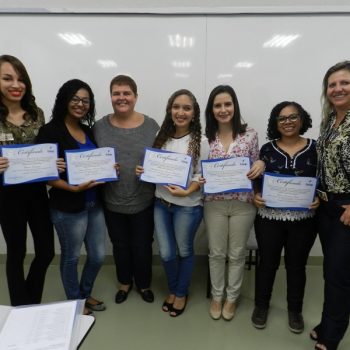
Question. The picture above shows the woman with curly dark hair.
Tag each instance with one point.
(23, 204)
(228, 216)
(178, 212)
(287, 153)
(76, 211)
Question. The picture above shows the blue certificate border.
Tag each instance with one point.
(39, 179)
(227, 191)
(106, 179)
(290, 176)
(157, 150)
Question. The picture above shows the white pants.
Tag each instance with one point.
(228, 224)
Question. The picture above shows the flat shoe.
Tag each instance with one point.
(87, 312)
(122, 295)
(147, 295)
(100, 306)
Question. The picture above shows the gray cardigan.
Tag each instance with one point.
(129, 195)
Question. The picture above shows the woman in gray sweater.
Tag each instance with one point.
(129, 202)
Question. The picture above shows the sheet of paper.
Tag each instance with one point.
(93, 164)
(162, 167)
(30, 163)
(290, 192)
(39, 327)
(226, 175)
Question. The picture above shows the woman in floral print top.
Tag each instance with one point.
(333, 148)
(228, 216)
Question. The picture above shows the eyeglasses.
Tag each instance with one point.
(284, 118)
(76, 100)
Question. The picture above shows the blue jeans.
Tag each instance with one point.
(74, 229)
(175, 228)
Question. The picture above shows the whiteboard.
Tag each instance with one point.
(164, 53)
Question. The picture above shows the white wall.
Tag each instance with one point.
(140, 45)
(176, 6)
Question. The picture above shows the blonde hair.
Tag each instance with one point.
(327, 107)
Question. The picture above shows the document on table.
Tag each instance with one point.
(289, 192)
(91, 164)
(39, 327)
(30, 163)
(163, 167)
(226, 175)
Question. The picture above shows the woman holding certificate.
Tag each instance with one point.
(76, 211)
(22, 204)
(333, 147)
(129, 202)
(277, 228)
(228, 216)
(178, 211)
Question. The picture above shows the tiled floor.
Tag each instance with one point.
(136, 325)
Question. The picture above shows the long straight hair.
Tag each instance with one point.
(212, 126)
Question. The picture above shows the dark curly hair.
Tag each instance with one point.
(212, 126)
(306, 122)
(64, 96)
(168, 129)
(28, 101)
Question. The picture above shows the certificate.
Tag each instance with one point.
(90, 164)
(163, 167)
(226, 175)
(30, 163)
(288, 192)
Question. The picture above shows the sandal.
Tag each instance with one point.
(177, 312)
(315, 332)
(166, 307)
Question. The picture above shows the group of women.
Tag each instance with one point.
(132, 209)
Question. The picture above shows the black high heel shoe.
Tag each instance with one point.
(167, 307)
(316, 331)
(177, 312)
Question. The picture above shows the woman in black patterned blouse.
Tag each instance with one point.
(22, 204)
(333, 147)
(290, 154)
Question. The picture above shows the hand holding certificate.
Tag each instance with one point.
(226, 175)
(162, 167)
(30, 163)
(92, 164)
(289, 192)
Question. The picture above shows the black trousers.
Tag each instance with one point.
(132, 237)
(335, 240)
(297, 238)
(22, 205)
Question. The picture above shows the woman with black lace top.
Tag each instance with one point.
(288, 153)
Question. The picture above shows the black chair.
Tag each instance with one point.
(252, 258)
